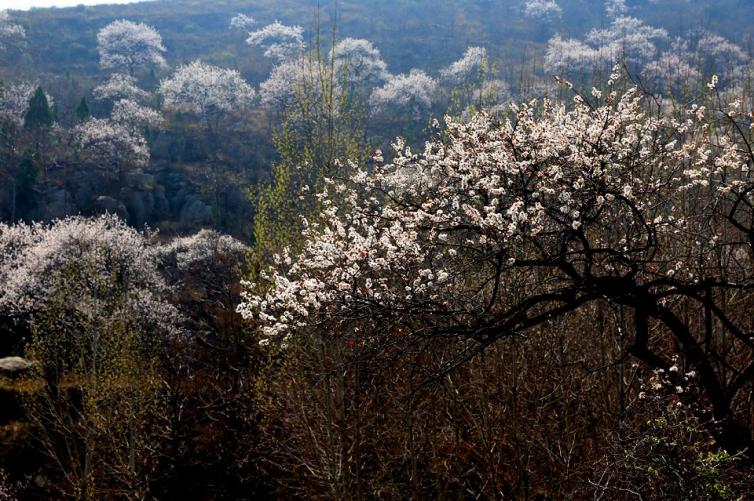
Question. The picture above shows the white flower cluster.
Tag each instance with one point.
(542, 9)
(242, 22)
(83, 268)
(616, 8)
(135, 117)
(673, 67)
(120, 86)
(294, 81)
(359, 61)
(124, 46)
(597, 191)
(417, 90)
(9, 31)
(280, 42)
(202, 250)
(14, 100)
(626, 38)
(207, 90)
(107, 142)
(468, 67)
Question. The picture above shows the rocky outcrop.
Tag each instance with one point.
(14, 365)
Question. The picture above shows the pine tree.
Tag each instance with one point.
(82, 110)
(39, 114)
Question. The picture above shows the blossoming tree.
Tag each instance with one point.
(279, 41)
(496, 229)
(208, 91)
(11, 34)
(125, 46)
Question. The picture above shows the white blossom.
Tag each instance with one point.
(468, 67)
(80, 268)
(107, 142)
(124, 46)
(202, 250)
(615, 8)
(418, 234)
(135, 117)
(207, 90)
(416, 89)
(542, 9)
(120, 86)
(565, 55)
(721, 49)
(628, 37)
(280, 42)
(10, 33)
(242, 22)
(14, 100)
(359, 61)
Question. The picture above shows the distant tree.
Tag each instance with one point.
(14, 100)
(135, 117)
(208, 91)
(39, 114)
(627, 39)
(411, 95)
(125, 46)
(280, 42)
(466, 78)
(542, 9)
(23, 184)
(242, 22)
(357, 60)
(11, 34)
(120, 86)
(82, 110)
(616, 8)
(109, 144)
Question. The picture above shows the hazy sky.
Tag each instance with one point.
(26, 4)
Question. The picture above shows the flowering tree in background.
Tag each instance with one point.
(357, 60)
(120, 86)
(208, 91)
(14, 100)
(414, 91)
(135, 117)
(627, 39)
(498, 228)
(466, 77)
(11, 34)
(468, 67)
(85, 263)
(280, 42)
(281, 86)
(242, 22)
(674, 67)
(616, 8)
(125, 46)
(568, 55)
(91, 294)
(542, 9)
(107, 143)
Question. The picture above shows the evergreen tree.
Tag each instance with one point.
(39, 114)
(82, 110)
(24, 197)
